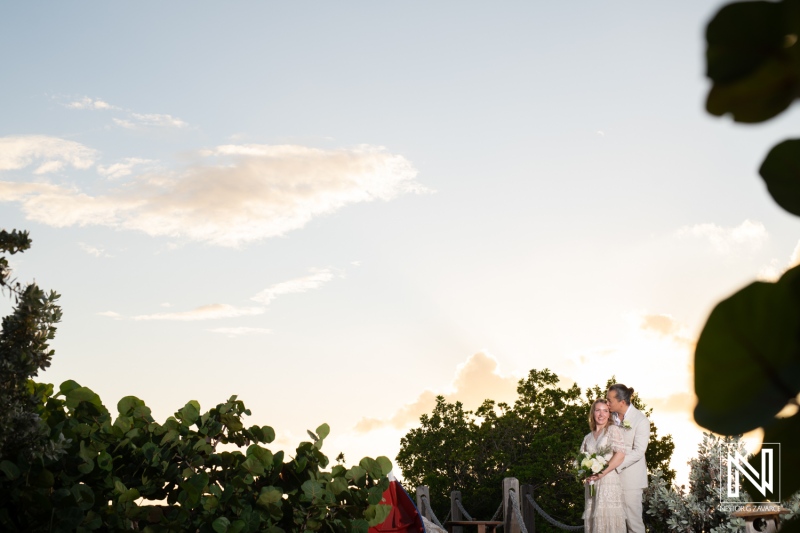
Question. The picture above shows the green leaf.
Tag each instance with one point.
(356, 474)
(312, 489)
(83, 495)
(253, 466)
(9, 469)
(82, 394)
(375, 495)
(190, 412)
(759, 97)
(220, 525)
(262, 454)
(105, 461)
(371, 466)
(781, 173)
(323, 431)
(786, 431)
(338, 485)
(170, 436)
(126, 405)
(237, 526)
(377, 514)
(129, 496)
(359, 526)
(269, 495)
(385, 464)
(68, 386)
(746, 364)
(740, 37)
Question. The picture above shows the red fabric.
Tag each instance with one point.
(404, 517)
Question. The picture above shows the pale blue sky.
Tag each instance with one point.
(537, 181)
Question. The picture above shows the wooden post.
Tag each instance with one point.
(455, 511)
(528, 512)
(510, 524)
(423, 491)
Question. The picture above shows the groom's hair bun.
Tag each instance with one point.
(624, 393)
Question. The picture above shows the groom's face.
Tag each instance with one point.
(614, 404)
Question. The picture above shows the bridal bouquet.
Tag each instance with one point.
(587, 464)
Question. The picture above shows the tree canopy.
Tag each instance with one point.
(533, 440)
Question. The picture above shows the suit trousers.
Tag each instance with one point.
(633, 511)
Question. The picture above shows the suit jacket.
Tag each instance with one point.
(633, 470)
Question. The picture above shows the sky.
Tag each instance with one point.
(338, 211)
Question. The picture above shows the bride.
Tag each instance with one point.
(604, 511)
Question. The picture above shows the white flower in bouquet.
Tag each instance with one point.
(587, 464)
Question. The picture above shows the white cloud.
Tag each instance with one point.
(476, 380)
(110, 314)
(150, 120)
(121, 169)
(90, 103)
(748, 235)
(205, 312)
(51, 153)
(774, 270)
(93, 250)
(239, 331)
(316, 279)
(242, 194)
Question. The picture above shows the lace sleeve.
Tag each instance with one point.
(583, 444)
(616, 440)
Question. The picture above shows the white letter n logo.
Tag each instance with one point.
(762, 481)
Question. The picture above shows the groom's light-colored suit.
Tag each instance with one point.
(633, 470)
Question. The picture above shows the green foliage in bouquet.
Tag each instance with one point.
(67, 464)
(747, 361)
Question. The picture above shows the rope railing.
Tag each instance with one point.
(512, 495)
(549, 518)
(463, 511)
(430, 512)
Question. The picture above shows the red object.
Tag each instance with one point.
(404, 517)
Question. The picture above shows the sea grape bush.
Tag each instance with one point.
(130, 472)
(67, 464)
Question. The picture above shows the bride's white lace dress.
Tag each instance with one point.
(604, 511)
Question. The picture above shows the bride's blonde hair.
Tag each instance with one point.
(592, 423)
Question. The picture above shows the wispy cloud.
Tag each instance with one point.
(236, 195)
(93, 250)
(748, 235)
(51, 154)
(150, 120)
(238, 332)
(110, 314)
(90, 103)
(205, 312)
(477, 379)
(123, 168)
(316, 279)
(131, 120)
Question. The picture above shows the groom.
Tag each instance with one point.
(633, 470)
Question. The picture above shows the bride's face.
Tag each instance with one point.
(601, 414)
